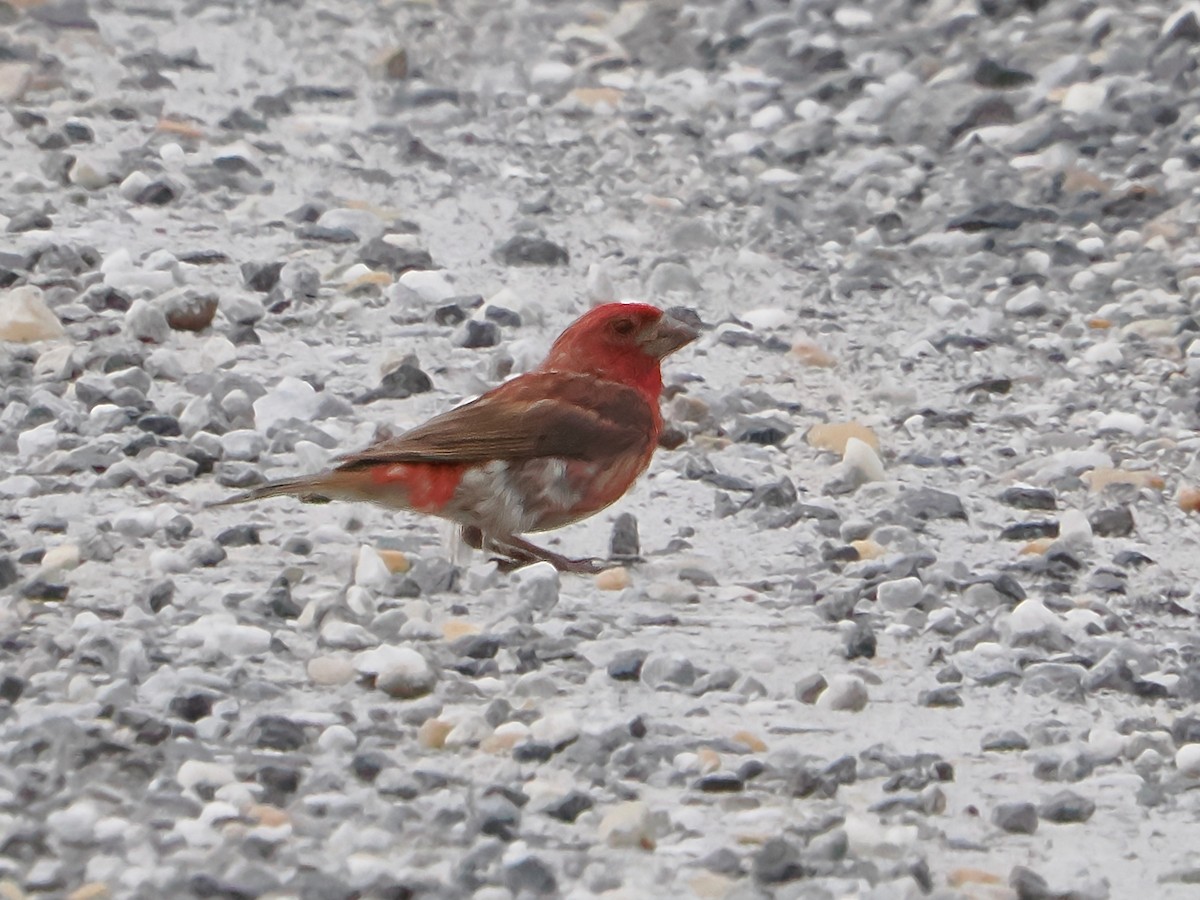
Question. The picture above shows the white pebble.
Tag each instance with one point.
(628, 824)
(337, 738)
(292, 398)
(34, 443)
(901, 593)
(1130, 423)
(146, 322)
(371, 571)
(860, 461)
(555, 729)
(845, 692)
(430, 286)
(1074, 528)
(1031, 617)
(538, 585)
(194, 772)
(76, 824)
(1187, 760)
(1085, 97)
(243, 444)
(1028, 302)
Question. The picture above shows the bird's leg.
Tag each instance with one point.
(515, 553)
(523, 550)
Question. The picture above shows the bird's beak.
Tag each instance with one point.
(666, 336)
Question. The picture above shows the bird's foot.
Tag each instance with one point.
(585, 566)
(515, 553)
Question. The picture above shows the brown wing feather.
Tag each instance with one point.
(561, 415)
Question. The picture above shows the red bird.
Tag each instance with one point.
(538, 452)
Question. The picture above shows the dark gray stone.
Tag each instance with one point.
(1015, 818)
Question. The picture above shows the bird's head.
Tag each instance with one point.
(620, 342)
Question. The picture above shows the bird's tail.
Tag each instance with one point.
(317, 489)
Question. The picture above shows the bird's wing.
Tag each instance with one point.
(540, 414)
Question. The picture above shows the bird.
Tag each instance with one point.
(542, 450)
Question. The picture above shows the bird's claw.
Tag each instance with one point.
(585, 566)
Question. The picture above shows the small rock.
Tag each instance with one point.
(903, 593)
(834, 436)
(624, 543)
(538, 585)
(408, 675)
(628, 824)
(146, 322)
(812, 354)
(1029, 498)
(861, 463)
(25, 317)
(528, 250)
(1067, 807)
(668, 671)
(929, 503)
(777, 862)
(809, 688)
(1015, 818)
(1187, 760)
(190, 311)
(844, 692)
(627, 665)
(432, 733)
(615, 579)
(330, 670)
(1113, 522)
(530, 876)
(475, 334)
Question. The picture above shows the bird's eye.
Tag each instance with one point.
(623, 326)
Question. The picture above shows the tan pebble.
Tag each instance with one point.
(10, 890)
(832, 436)
(64, 556)
(175, 126)
(504, 738)
(1036, 547)
(1098, 323)
(593, 98)
(709, 759)
(712, 443)
(453, 629)
(16, 79)
(614, 579)
(752, 839)
(330, 670)
(432, 734)
(392, 63)
(93, 890)
(265, 814)
(711, 886)
(812, 354)
(751, 740)
(1100, 478)
(690, 409)
(867, 549)
(381, 279)
(959, 877)
(395, 560)
(1077, 180)
(1189, 499)
(25, 317)
(666, 204)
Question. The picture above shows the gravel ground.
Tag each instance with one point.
(912, 610)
